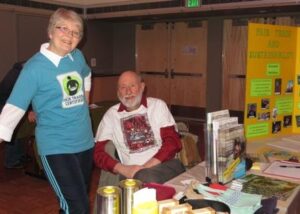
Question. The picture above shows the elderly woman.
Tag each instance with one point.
(57, 81)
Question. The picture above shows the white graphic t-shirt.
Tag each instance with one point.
(136, 134)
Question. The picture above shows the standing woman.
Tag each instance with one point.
(57, 81)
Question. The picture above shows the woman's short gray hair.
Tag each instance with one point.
(63, 14)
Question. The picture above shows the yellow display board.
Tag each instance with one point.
(272, 104)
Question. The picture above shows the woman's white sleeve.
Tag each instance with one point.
(9, 119)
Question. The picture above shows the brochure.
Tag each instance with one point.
(268, 187)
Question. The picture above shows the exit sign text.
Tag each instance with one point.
(192, 3)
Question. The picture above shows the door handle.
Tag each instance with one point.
(238, 76)
(158, 73)
(185, 74)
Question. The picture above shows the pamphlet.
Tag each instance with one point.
(268, 187)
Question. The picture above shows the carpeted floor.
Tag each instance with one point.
(21, 193)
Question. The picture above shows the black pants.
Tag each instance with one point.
(161, 173)
(69, 176)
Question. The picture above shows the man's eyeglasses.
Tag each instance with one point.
(67, 31)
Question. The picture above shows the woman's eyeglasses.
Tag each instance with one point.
(67, 31)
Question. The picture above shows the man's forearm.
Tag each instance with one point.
(152, 162)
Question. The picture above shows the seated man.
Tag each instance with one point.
(143, 132)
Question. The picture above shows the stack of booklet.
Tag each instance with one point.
(225, 146)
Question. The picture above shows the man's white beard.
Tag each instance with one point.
(132, 103)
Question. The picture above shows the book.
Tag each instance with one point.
(217, 125)
(210, 147)
(225, 145)
(231, 147)
(268, 187)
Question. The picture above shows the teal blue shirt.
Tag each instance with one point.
(58, 99)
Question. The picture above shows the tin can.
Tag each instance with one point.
(128, 186)
(108, 200)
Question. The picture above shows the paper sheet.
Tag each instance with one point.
(284, 169)
(92, 106)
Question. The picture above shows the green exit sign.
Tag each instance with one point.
(192, 3)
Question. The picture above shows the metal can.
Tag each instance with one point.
(108, 200)
(128, 186)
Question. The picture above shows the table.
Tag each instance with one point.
(290, 206)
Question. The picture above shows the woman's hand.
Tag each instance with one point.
(31, 117)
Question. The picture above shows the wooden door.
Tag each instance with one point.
(234, 64)
(152, 58)
(188, 63)
(172, 59)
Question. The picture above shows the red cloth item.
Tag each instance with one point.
(217, 186)
(163, 192)
(171, 144)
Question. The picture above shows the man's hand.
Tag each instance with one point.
(127, 170)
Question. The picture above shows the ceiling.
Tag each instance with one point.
(97, 3)
(167, 9)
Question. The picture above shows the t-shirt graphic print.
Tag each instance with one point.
(71, 85)
(137, 133)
